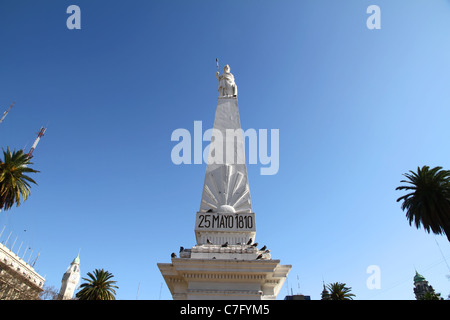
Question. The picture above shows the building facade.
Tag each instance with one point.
(421, 287)
(18, 279)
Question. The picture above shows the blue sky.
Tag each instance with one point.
(355, 108)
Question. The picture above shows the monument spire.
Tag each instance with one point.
(226, 262)
(226, 190)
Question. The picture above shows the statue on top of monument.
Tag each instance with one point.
(227, 86)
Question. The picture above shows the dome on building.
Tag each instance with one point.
(77, 259)
(418, 277)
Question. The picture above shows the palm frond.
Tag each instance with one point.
(14, 184)
(98, 286)
(428, 206)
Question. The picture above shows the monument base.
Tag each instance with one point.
(211, 272)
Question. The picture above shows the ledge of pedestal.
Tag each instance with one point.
(224, 278)
(230, 252)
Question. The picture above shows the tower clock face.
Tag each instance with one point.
(74, 277)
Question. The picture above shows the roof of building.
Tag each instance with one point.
(77, 259)
(418, 277)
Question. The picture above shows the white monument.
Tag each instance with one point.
(227, 86)
(70, 280)
(226, 263)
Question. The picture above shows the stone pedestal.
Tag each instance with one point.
(213, 272)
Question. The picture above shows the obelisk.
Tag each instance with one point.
(226, 263)
(225, 214)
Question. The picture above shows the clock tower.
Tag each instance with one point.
(70, 280)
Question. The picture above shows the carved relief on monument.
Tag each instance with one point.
(226, 191)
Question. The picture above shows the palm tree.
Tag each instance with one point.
(98, 286)
(13, 181)
(429, 202)
(339, 291)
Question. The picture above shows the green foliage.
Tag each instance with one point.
(428, 204)
(339, 291)
(99, 286)
(431, 296)
(14, 184)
